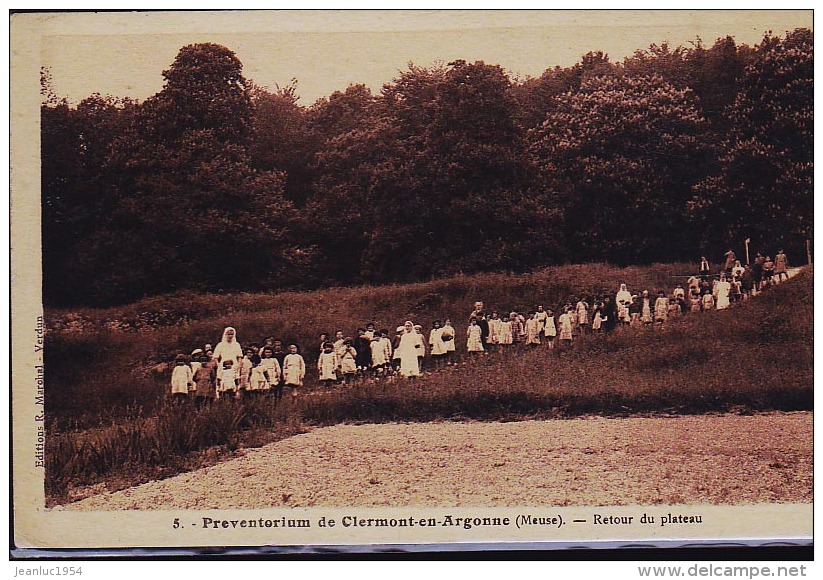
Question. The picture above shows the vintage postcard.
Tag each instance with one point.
(385, 280)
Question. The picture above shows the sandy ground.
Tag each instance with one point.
(718, 459)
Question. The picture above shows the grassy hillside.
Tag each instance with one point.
(754, 357)
(101, 363)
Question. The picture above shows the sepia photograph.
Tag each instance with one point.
(412, 278)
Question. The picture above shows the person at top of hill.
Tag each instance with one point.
(746, 282)
(738, 269)
(228, 349)
(693, 283)
(768, 270)
(705, 269)
(757, 272)
(695, 302)
(721, 292)
(707, 300)
(781, 266)
(731, 258)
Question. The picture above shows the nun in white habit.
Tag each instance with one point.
(228, 349)
(623, 299)
(411, 346)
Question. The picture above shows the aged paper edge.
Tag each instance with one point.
(39, 528)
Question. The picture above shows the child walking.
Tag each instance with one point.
(205, 379)
(327, 365)
(566, 326)
(506, 335)
(259, 379)
(348, 361)
(598, 319)
(181, 379)
(533, 328)
(474, 342)
(550, 329)
(227, 380)
(272, 366)
(294, 370)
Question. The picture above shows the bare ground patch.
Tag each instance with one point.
(716, 459)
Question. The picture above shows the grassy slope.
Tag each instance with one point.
(751, 358)
(96, 374)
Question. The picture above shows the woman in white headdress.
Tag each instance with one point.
(623, 299)
(228, 349)
(410, 347)
(721, 292)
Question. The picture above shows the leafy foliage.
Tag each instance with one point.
(215, 183)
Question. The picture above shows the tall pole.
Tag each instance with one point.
(808, 252)
(747, 250)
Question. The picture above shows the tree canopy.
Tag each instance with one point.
(215, 183)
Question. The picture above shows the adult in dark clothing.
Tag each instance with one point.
(610, 312)
(278, 352)
(757, 270)
(484, 329)
(729, 264)
(747, 281)
(705, 269)
(362, 345)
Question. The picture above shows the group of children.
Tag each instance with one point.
(373, 355)
(228, 370)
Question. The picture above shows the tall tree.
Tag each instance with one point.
(764, 187)
(622, 154)
(283, 139)
(184, 208)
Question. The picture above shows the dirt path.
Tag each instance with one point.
(719, 459)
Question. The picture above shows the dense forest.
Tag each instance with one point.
(217, 184)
